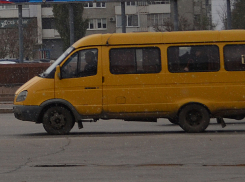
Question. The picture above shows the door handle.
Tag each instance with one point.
(91, 87)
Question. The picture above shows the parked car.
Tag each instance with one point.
(7, 62)
(42, 60)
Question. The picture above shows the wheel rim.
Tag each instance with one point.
(57, 120)
(194, 117)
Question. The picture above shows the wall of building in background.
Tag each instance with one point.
(15, 75)
(104, 18)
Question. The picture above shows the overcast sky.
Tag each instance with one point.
(216, 7)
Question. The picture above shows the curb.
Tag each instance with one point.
(6, 107)
(6, 110)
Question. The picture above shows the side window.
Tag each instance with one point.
(135, 60)
(69, 69)
(81, 64)
(234, 56)
(88, 60)
(193, 58)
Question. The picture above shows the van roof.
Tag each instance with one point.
(161, 37)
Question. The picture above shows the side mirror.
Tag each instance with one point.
(58, 72)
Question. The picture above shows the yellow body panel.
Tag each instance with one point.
(84, 93)
(160, 94)
(39, 90)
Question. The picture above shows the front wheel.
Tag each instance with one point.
(58, 121)
(194, 118)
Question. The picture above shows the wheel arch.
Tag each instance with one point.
(194, 117)
(189, 103)
(58, 102)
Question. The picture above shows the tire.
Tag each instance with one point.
(58, 121)
(194, 118)
(173, 120)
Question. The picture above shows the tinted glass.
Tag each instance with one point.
(135, 60)
(80, 64)
(234, 56)
(193, 58)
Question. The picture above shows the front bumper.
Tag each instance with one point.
(27, 113)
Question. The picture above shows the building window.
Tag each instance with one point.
(130, 3)
(94, 5)
(160, 2)
(91, 24)
(100, 5)
(47, 5)
(88, 5)
(135, 60)
(13, 6)
(97, 24)
(131, 20)
(158, 19)
(142, 3)
(234, 56)
(48, 23)
(193, 58)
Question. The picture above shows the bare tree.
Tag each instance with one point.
(223, 15)
(203, 22)
(3, 45)
(30, 39)
(168, 26)
(12, 42)
(9, 41)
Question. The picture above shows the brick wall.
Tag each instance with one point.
(15, 75)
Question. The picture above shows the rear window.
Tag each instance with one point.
(234, 56)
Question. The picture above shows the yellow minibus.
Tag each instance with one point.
(186, 77)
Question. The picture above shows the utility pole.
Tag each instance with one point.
(123, 17)
(20, 34)
(71, 23)
(228, 2)
(206, 13)
(176, 15)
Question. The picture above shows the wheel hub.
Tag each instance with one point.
(194, 118)
(57, 120)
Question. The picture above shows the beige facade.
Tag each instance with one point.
(104, 18)
(195, 12)
(140, 16)
(150, 16)
(101, 19)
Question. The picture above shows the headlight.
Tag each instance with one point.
(22, 96)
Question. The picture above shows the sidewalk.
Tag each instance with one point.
(6, 107)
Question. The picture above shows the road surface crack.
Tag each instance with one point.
(29, 160)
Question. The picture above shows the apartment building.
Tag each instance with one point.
(195, 12)
(146, 16)
(48, 43)
(140, 16)
(103, 18)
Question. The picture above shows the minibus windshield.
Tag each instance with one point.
(51, 69)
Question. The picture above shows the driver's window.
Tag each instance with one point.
(81, 64)
(69, 69)
(88, 62)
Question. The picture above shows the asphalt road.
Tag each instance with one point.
(112, 151)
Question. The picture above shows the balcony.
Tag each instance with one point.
(47, 12)
(50, 34)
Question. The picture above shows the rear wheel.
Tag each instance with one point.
(58, 121)
(174, 120)
(194, 118)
